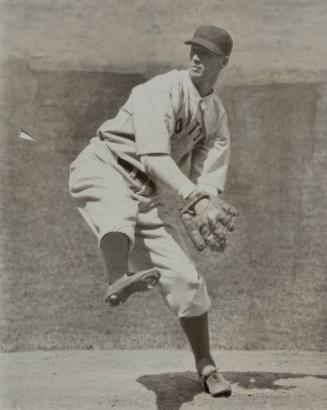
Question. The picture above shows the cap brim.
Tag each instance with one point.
(205, 44)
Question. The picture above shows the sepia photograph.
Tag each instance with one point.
(163, 205)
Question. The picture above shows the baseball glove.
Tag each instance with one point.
(206, 220)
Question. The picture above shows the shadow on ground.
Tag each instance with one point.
(172, 390)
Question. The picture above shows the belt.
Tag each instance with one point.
(135, 172)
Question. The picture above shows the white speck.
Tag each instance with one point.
(25, 136)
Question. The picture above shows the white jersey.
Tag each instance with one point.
(167, 115)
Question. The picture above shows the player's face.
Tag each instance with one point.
(204, 65)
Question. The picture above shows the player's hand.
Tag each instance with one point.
(207, 219)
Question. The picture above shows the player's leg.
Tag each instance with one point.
(115, 249)
(104, 199)
(158, 243)
(196, 329)
(122, 284)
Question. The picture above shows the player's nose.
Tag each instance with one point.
(195, 58)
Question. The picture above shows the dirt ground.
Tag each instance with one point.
(160, 380)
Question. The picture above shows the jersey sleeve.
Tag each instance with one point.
(210, 160)
(153, 117)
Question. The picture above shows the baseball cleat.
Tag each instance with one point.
(131, 283)
(216, 385)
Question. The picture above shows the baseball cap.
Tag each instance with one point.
(214, 39)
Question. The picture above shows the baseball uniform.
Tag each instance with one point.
(166, 115)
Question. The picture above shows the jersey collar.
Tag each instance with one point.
(195, 91)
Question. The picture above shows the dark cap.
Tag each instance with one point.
(213, 38)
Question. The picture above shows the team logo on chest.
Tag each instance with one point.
(191, 129)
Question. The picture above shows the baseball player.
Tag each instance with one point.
(172, 132)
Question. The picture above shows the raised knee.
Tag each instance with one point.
(191, 276)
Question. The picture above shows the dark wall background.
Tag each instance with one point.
(268, 289)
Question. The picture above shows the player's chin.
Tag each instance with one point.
(195, 72)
